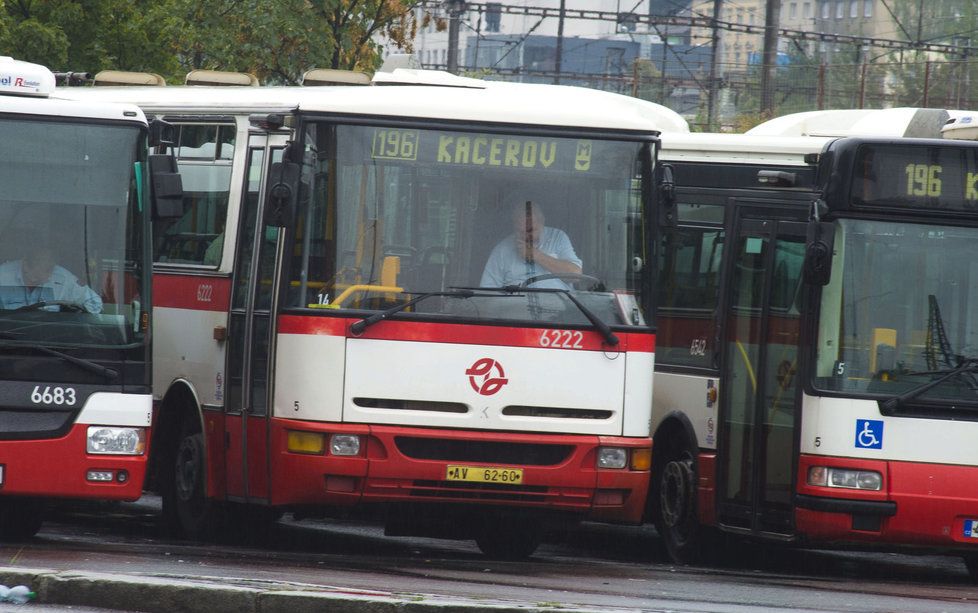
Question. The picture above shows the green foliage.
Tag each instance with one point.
(277, 41)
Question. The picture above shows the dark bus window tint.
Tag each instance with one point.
(687, 290)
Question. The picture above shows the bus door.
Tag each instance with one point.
(759, 365)
(247, 423)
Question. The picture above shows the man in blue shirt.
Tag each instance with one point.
(36, 278)
(531, 250)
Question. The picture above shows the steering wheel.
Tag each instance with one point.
(594, 284)
(63, 304)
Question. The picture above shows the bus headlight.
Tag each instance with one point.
(612, 457)
(109, 440)
(344, 444)
(825, 476)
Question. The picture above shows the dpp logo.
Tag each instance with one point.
(869, 434)
(486, 376)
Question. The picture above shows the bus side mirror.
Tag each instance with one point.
(167, 186)
(280, 198)
(161, 133)
(817, 267)
(667, 197)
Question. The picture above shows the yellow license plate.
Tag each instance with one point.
(482, 474)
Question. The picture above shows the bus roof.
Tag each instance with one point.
(508, 103)
(68, 108)
(740, 148)
(895, 122)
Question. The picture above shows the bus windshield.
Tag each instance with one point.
(387, 214)
(901, 310)
(70, 233)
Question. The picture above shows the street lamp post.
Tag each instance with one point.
(455, 9)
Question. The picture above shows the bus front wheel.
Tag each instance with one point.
(19, 519)
(509, 537)
(971, 562)
(676, 518)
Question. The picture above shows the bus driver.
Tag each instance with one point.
(532, 250)
(36, 278)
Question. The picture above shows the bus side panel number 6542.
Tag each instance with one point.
(562, 339)
(60, 396)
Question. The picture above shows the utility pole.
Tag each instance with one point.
(455, 9)
(711, 100)
(558, 61)
(772, 19)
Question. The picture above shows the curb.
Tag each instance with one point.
(174, 594)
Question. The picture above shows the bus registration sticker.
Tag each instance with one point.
(484, 474)
(971, 528)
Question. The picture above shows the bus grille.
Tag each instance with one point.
(491, 452)
(19, 424)
(479, 491)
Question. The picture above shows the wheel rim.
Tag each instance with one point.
(187, 469)
(676, 493)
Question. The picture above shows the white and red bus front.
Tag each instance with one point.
(890, 416)
(400, 376)
(74, 288)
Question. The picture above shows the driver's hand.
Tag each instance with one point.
(525, 250)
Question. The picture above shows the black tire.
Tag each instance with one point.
(186, 509)
(509, 538)
(971, 563)
(19, 520)
(676, 520)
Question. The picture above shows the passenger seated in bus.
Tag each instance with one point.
(36, 278)
(532, 250)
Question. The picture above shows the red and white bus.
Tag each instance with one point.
(816, 337)
(74, 296)
(325, 337)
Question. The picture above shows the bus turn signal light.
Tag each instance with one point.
(641, 459)
(313, 443)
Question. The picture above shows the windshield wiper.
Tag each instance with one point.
(599, 324)
(965, 365)
(358, 327)
(109, 373)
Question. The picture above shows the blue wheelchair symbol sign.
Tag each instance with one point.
(869, 434)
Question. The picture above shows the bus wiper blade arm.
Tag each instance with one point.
(109, 373)
(966, 365)
(358, 327)
(599, 324)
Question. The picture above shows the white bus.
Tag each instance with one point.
(349, 317)
(816, 336)
(75, 301)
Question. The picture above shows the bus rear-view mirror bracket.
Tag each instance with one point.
(167, 186)
(281, 196)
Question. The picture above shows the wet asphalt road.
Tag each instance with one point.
(597, 567)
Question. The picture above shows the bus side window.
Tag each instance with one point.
(204, 153)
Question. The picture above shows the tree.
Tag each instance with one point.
(84, 35)
(279, 41)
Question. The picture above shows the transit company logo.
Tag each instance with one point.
(12, 81)
(486, 376)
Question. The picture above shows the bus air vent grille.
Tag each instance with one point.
(488, 452)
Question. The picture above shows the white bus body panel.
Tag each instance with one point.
(117, 409)
(688, 395)
(318, 378)
(184, 348)
(833, 421)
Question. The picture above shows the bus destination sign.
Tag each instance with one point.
(476, 150)
(922, 176)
